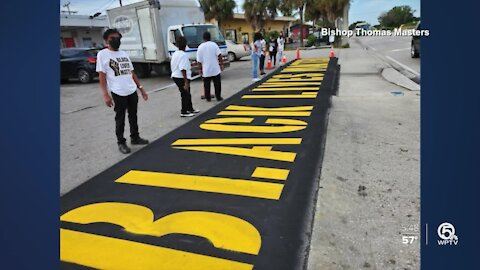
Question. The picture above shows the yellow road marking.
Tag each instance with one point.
(250, 108)
(303, 95)
(303, 75)
(292, 84)
(101, 252)
(222, 124)
(296, 80)
(254, 152)
(271, 173)
(238, 141)
(264, 89)
(223, 231)
(222, 185)
(262, 113)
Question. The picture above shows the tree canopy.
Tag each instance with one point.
(257, 12)
(396, 16)
(218, 9)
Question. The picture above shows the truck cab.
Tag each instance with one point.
(193, 33)
(150, 27)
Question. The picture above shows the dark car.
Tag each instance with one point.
(78, 63)
(415, 45)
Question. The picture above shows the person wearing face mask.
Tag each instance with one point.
(116, 76)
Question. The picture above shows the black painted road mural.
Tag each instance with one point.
(231, 189)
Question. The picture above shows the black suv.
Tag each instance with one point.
(78, 63)
(415, 45)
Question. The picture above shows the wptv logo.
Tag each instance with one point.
(446, 232)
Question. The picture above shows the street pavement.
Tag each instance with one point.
(369, 186)
(231, 189)
(394, 50)
(369, 196)
(88, 143)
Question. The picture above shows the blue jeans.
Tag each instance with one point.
(255, 65)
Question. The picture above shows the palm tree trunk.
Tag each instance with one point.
(345, 22)
(301, 25)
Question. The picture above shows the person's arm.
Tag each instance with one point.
(184, 68)
(220, 58)
(220, 61)
(102, 78)
(186, 82)
(200, 60)
(139, 86)
(200, 71)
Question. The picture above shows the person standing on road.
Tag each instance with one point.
(262, 56)
(116, 75)
(210, 62)
(272, 49)
(257, 52)
(281, 46)
(182, 75)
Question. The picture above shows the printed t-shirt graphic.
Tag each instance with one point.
(118, 68)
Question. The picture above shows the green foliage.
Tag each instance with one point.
(257, 12)
(311, 40)
(396, 16)
(274, 33)
(218, 9)
(410, 25)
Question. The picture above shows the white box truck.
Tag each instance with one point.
(149, 29)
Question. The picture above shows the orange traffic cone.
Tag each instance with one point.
(284, 59)
(298, 53)
(269, 62)
(332, 54)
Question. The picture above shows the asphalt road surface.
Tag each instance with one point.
(233, 188)
(395, 49)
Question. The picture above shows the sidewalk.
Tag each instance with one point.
(370, 181)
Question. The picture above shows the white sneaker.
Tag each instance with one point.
(256, 79)
(194, 111)
(186, 114)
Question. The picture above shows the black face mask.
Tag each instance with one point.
(114, 43)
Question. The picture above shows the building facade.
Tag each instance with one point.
(82, 30)
(239, 30)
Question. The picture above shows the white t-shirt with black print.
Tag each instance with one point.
(118, 69)
(180, 62)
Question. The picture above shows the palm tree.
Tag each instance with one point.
(328, 11)
(218, 9)
(289, 5)
(334, 8)
(257, 12)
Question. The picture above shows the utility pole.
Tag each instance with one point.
(120, 2)
(67, 5)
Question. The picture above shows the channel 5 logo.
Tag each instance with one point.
(446, 232)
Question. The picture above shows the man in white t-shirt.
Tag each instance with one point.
(182, 75)
(115, 71)
(210, 62)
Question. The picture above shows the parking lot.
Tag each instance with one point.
(88, 142)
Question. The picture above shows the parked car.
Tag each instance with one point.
(78, 63)
(237, 51)
(415, 45)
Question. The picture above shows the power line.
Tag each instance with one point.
(67, 5)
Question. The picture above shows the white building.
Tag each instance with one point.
(82, 30)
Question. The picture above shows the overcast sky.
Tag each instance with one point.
(360, 10)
